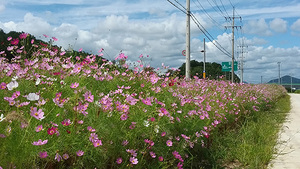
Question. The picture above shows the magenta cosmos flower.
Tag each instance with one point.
(43, 154)
(52, 130)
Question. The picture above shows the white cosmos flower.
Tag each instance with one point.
(15, 78)
(156, 129)
(2, 117)
(146, 123)
(33, 97)
(12, 85)
(38, 81)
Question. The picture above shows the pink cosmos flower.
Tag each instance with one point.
(38, 114)
(23, 35)
(124, 116)
(46, 36)
(93, 137)
(125, 142)
(10, 48)
(3, 86)
(133, 160)
(39, 128)
(62, 53)
(74, 85)
(65, 156)
(147, 101)
(9, 38)
(97, 143)
(79, 153)
(131, 100)
(160, 158)
(66, 122)
(169, 143)
(152, 154)
(163, 134)
(90, 129)
(40, 142)
(54, 38)
(132, 126)
(43, 154)
(88, 96)
(80, 122)
(132, 152)
(119, 160)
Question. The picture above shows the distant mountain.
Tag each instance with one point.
(286, 80)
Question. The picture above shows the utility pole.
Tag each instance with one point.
(291, 83)
(232, 58)
(242, 60)
(187, 57)
(279, 80)
(204, 58)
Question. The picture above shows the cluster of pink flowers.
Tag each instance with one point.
(59, 101)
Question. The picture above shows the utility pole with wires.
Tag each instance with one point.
(232, 26)
(188, 40)
(242, 60)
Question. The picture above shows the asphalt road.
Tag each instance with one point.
(288, 156)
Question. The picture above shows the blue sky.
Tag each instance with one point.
(270, 30)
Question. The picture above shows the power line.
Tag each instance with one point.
(214, 8)
(202, 29)
(218, 7)
(206, 13)
(224, 8)
(184, 11)
(205, 32)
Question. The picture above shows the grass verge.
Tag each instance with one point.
(249, 145)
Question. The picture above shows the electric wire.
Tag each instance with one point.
(224, 8)
(202, 29)
(210, 38)
(206, 13)
(213, 7)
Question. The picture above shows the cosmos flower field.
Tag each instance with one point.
(58, 112)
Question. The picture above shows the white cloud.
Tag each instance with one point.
(2, 7)
(278, 25)
(296, 26)
(162, 38)
(258, 27)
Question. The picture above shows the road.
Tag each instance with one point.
(288, 156)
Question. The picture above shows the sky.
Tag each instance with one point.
(267, 36)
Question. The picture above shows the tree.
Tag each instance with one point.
(213, 70)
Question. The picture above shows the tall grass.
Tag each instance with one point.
(249, 144)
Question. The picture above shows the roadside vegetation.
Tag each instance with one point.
(60, 111)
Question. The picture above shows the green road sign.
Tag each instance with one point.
(226, 66)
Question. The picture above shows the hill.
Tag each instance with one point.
(286, 80)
